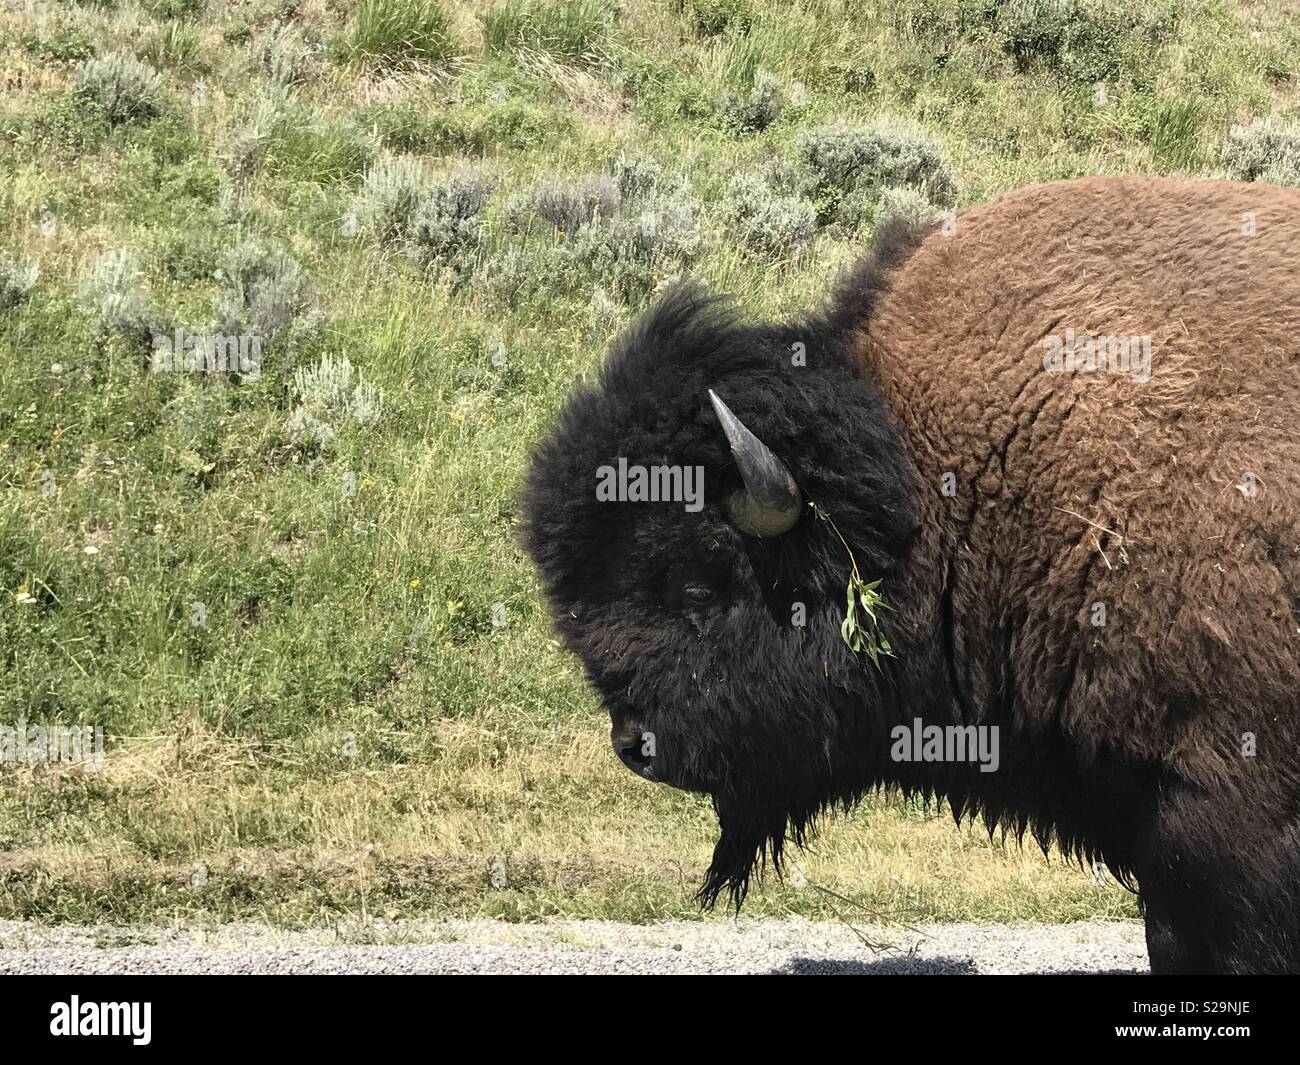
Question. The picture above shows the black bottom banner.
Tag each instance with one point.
(144, 1013)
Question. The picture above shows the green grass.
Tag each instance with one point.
(391, 31)
(572, 31)
(349, 730)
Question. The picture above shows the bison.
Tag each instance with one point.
(1034, 473)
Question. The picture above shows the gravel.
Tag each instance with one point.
(571, 946)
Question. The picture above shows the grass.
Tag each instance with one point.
(293, 599)
(395, 31)
(572, 31)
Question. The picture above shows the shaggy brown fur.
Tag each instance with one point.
(1001, 504)
(1085, 488)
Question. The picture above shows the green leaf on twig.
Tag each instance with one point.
(860, 629)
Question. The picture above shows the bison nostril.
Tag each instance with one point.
(633, 745)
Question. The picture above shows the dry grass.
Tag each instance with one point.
(283, 837)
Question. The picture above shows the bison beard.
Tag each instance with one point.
(751, 829)
(754, 828)
(1000, 502)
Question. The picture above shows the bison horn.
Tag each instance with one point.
(769, 504)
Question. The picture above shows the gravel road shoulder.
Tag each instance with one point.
(572, 946)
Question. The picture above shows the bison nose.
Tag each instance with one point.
(634, 745)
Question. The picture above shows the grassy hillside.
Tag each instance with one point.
(292, 597)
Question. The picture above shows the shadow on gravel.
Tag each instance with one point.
(913, 967)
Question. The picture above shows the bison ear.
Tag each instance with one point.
(769, 504)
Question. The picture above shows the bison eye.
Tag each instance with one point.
(699, 594)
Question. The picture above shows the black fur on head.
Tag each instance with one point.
(686, 626)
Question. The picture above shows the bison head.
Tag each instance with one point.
(710, 626)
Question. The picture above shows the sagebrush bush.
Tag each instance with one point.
(636, 175)
(756, 111)
(846, 158)
(574, 31)
(767, 222)
(510, 275)
(255, 127)
(1266, 149)
(566, 203)
(903, 207)
(398, 31)
(650, 241)
(123, 87)
(110, 289)
(307, 432)
(329, 394)
(449, 218)
(389, 197)
(16, 281)
(265, 294)
(428, 217)
(651, 237)
(782, 174)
